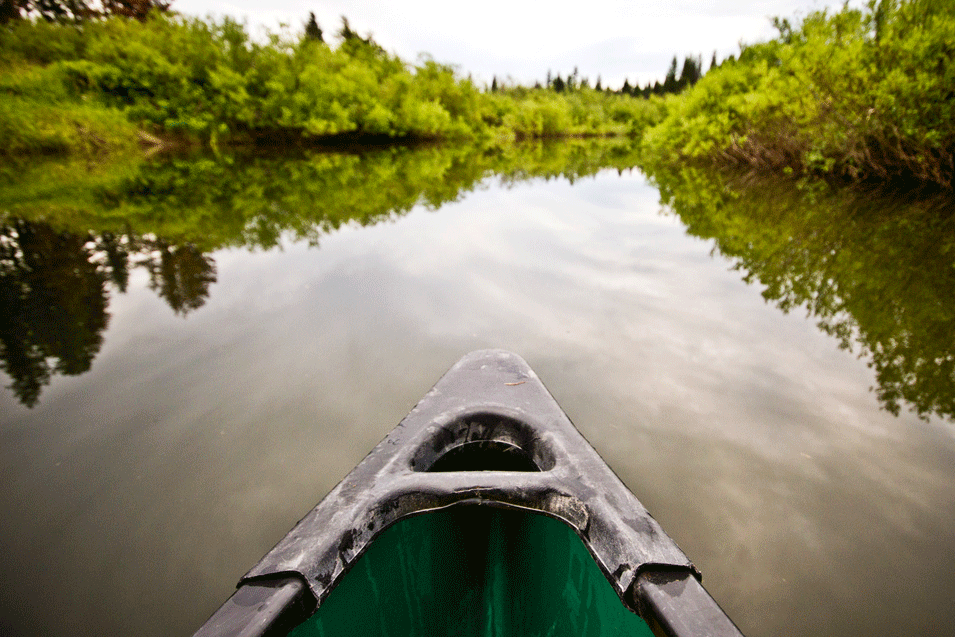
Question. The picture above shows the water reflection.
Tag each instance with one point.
(53, 300)
(165, 216)
(876, 273)
(54, 288)
(191, 446)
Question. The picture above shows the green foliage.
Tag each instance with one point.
(207, 80)
(40, 42)
(858, 94)
(38, 114)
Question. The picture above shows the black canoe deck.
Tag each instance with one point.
(487, 434)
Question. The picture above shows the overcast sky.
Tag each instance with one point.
(613, 39)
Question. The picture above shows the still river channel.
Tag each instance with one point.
(197, 352)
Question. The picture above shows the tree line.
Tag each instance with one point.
(674, 83)
(73, 11)
(861, 94)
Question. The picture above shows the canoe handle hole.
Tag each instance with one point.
(484, 455)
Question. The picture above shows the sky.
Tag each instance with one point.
(523, 39)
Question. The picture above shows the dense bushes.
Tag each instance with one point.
(206, 80)
(859, 93)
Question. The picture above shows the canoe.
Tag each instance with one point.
(484, 512)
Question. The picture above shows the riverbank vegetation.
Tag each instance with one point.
(856, 94)
(194, 81)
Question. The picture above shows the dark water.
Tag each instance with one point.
(197, 350)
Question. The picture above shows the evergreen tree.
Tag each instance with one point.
(312, 30)
(713, 61)
(346, 33)
(559, 84)
(352, 38)
(625, 89)
(690, 74)
(494, 84)
(670, 83)
(597, 86)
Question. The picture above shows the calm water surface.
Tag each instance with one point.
(138, 492)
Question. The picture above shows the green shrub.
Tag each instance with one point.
(208, 80)
(858, 93)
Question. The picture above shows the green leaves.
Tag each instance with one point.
(859, 94)
(207, 80)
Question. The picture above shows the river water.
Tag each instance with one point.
(169, 418)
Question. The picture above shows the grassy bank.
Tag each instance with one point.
(38, 114)
(856, 94)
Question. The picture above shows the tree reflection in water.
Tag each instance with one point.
(54, 295)
(180, 275)
(55, 273)
(876, 272)
(52, 306)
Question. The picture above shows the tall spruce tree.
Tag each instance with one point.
(346, 33)
(312, 30)
(670, 83)
(690, 74)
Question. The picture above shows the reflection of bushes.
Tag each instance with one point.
(252, 200)
(877, 274)
(165, 215)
